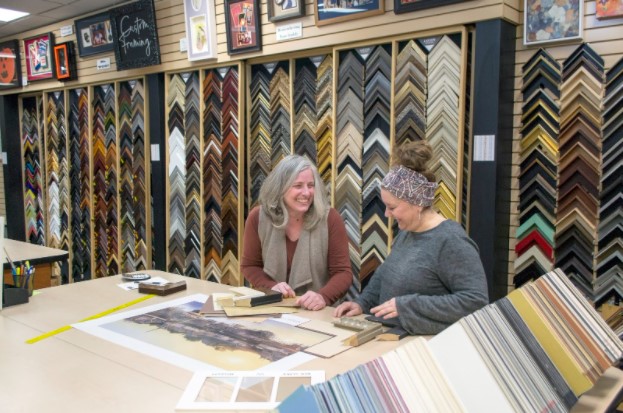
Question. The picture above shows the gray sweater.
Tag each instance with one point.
(436, 276)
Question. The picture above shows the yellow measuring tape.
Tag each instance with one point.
(102, 314)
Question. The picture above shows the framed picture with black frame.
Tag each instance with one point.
(335, 11)
(136, 35)
(10, 65)
(243, 29)
(94, 34)
(406, 6)
(65, 61)
(39, 60)
(279, 10)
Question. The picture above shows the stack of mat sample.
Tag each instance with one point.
(536, 350)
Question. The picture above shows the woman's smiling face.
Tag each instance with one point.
(407, 215)
(299, 197)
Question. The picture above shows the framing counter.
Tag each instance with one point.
(74, 371)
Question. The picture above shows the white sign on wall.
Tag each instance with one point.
(103, 64)
(289, 31)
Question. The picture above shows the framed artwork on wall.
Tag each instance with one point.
(38, 51)
(200, 29)
(605, 9)
(335, 11)
(94, 34)
(554, 22)
(136, 36)
(242, 22)
(65, 61)
(405, 6)
(10, 65)
(279, 10)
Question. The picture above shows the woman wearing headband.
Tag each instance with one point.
(433, 275)
(294, 242)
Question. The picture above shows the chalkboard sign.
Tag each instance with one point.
(136, 37)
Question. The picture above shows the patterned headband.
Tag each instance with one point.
(410, 186)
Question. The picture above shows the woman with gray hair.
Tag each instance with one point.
(433, 275)
(294, 242)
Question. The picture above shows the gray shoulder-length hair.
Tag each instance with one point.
(279, 180)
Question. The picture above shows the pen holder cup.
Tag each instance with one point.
(31, 282)
(14, 295)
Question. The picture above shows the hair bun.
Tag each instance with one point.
(415, 155)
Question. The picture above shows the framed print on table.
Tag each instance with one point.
(200, 29)
(65, 61)
(552, 22)
(279, 10)
(94, 34)
(242, 22)
(10, 65)
(38, 51)
(334, 11)
(405, 6)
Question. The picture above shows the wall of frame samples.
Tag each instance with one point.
(570, 172)
(85, 188)
(344, 94)
(291, 110)
(204, 159)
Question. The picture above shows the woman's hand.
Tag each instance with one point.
(284, 289)
(386, 310)
(347, 309)
(311, 301)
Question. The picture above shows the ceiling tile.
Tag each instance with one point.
(31, 6)
(46, 12)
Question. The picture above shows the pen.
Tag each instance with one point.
(13, 269)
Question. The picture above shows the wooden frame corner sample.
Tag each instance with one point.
(10, 65)
(279, 10)
(335, 11)
(406, 6)
(243, 28)
(200, 29)
(94, 34)
(554, 23)
(38, 55)
(65, 61)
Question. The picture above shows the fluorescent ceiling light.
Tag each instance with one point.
(7, 15)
